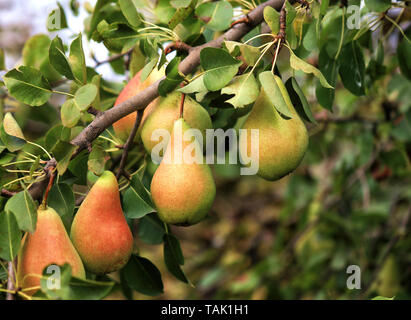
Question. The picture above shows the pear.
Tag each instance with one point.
(49, 244)
(282, 142)
(182, 191)
(167, 111)
(388, 282)
(124, 126)
(100, 231)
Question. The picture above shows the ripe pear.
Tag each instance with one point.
(100, 231)
(124, 126)
(49, 244)
(282, 142)
(167, 112)
(182, 192)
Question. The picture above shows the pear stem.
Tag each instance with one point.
(280, 37)
(183, 97)
(177, 46)
(127, 147)
(50, 184)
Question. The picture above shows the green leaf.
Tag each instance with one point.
(173, 257)
(11, 134)
(58, 58)
(272, 18)
(179, 16)
(96, 81)
(10, 236)
(382, 298)
(143, 276)
(249, 53)
(378, 5)
(269, 84)
(197, 85)
(137, 61)
(299, 100)
(57, 19)
(220, 67)
(299, 64)
(329, 67)
(218, 14)
(62, 152)
(96, 160)
(28, 85)
(148, 68)
(24, 209)
(70, 113)
(10, 142)
(11, 127)
(78, 60)
(85, 95)
(136, 200)
(54, 135)
(61, 199)
(36, 55)
(180, 3)
(324, 6)
(72, 288)
(173, 77)
(129, 11)
(97, 15)
(310, 38)
(244, 88)
(151, 229)
(352, 68)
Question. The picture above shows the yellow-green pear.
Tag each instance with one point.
(388, 282)
(281, 142)
(182, 188)
(167, 111)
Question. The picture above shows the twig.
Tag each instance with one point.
(177, 46)
(245, 20)
(127, 147)
(112, 58)
(94, 111)
(7, 194)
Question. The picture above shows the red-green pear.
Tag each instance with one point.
(124, 126)
(49, 244)
(182, 191)
(100, 231)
